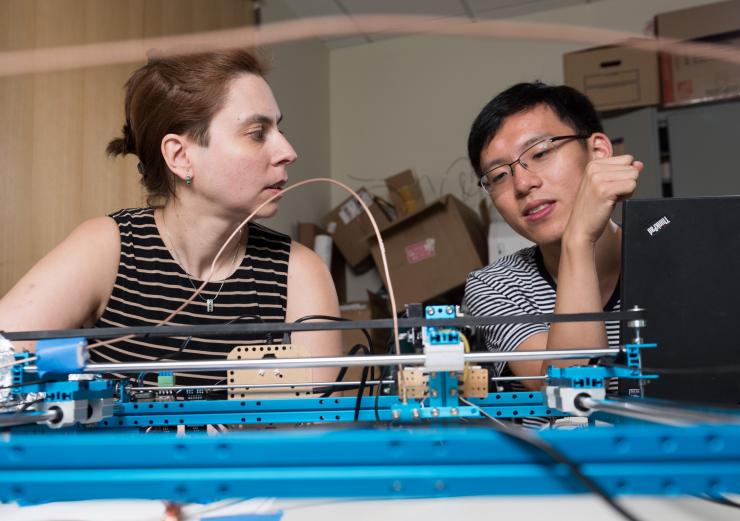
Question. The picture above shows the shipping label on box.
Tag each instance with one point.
(420, 251)
(431, 252)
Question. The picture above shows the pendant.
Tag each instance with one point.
(209, 305)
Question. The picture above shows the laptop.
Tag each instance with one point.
(681, 262)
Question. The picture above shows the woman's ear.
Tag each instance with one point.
(600, 146)
(174, 149)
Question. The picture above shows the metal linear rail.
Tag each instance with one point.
(335, 361)
(668, 414)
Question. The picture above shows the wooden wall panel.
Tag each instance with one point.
(53, 169)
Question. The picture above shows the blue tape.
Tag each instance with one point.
(61, 355)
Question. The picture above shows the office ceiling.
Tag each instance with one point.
(472, 9)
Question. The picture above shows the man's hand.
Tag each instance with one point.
(605, 182)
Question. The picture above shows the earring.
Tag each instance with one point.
(188, 179)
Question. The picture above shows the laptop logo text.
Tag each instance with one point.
(655, 228)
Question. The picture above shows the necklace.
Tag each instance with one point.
(209, 301)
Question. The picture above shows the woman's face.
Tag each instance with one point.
(246, 160)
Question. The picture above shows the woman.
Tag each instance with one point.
(205, 129)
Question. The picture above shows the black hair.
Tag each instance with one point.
(571, 106)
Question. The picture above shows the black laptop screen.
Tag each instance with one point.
(681, 262)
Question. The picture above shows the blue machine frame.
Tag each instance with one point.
(420, 448)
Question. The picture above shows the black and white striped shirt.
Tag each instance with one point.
(519, 284)
(150, 284)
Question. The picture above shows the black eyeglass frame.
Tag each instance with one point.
(519, 159)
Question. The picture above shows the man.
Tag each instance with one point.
(541, 153)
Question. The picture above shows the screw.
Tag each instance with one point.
(435, 412)
(261, 372)
(453, 411)
(434, 393)
(415, 413)
(453, 392)
(396, 414)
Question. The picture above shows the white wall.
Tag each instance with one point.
(300, 80)
(408, 102)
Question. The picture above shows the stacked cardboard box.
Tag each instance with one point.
(690, 79)
(616, 76)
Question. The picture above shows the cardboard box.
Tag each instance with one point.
(614, 76)
(349, 226)
(370, 309)
(691, 79)
(405, 193)
(432, 251)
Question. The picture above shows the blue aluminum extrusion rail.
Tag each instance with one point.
(300, 410)
(368, 462)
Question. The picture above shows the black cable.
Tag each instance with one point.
(29, 404)
(343, 370)
(524, 436)
(278, 327)
(335, 319)
(388, 346)
(379, 390)
(259, 319)
(360, 393)
(720, 500)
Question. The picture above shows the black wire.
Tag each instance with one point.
(720, 500)
(378, 391)
(360, 392)
(525, 436)
(29, 404)
(343, 370)
(335, 319)
(383, 370)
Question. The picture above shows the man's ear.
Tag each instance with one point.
(174, 149)
(600, 146)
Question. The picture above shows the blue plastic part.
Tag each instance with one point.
(61, 355)
(442, 336)
(316, 410)
(72, 390)
(439, 312)
(439, 461)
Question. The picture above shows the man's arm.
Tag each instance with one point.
(605, 182)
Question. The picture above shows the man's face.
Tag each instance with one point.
(536, 205)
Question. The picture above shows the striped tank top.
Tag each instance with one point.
(150, 284)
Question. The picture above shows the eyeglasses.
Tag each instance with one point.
(534, 159)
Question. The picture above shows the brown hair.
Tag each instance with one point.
(178, 95)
